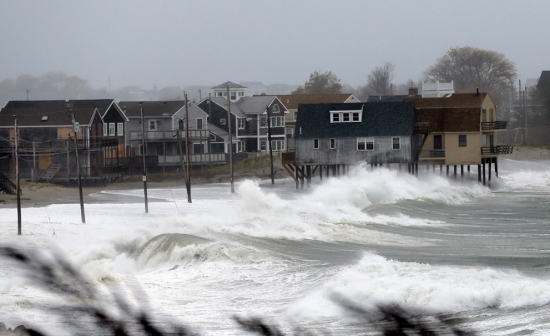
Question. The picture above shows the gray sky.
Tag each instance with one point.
(207, 42)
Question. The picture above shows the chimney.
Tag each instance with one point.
(413, 90)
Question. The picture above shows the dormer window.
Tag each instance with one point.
(276, 108)
(346, 116)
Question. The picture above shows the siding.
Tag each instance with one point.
(346, 151)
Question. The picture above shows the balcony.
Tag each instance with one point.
(170, 135)
(433, 153)
(497, 150)
(495, 125)
(208, 158)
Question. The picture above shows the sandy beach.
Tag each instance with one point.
(43, 194)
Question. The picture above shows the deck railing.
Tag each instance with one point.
(433, 153)
(497, 150)
(494, 125)
(158, 135)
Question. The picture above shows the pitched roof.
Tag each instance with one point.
(254, 105)
(292, 101)
(222, 101)
(379, 119)
(49, 116)
(458, 100)
(151, 108)
(101, 104)
(231, 86)
(450, 119)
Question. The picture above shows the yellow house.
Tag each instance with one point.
(463, 129)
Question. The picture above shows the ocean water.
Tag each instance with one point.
(475, 255)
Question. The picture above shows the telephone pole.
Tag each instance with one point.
(17, 186)
(75, 128)
(188, 172)
(230, 140)
(143, 156)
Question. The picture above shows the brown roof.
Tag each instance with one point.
(450, 119)
(292, 101)
(456, 100)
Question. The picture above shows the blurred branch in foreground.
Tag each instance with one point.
(53, 272)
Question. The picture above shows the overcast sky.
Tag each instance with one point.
(208, 42)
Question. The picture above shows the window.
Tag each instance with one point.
(111, 129)
(370, 144)
(361, 144)
(220, 94)
(105, 129)
(233, 95)
(277, 122)
(276, 108)
(346, 116)
(241, 94)
(278, 145)
(180, 125)
(120, 129)
(263, 145)
(263, 121)
(315, 143)
(222, 121)
(396, 143)
(332, 143)
(152, 125)
(241, 123)
(241, 147)
(296, 115)
(289, 132)
(438, 142)
(199, 123)
(462, 140)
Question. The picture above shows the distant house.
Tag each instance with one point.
(254, 88)
(248, 118)
(162, 122)
(348, 134)
(293, 101)
(46, 133)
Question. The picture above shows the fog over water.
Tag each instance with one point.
(478, 255)
(207, 42)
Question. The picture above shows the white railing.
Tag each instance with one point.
(152, 135)
(437, 89)
(193, 158)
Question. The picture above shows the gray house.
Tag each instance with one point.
(163, 120)
(343, 134)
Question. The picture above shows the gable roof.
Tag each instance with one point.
(450, 119)
(49, 116)
(292, 101)
(256, 104)
(379, 119)
(222, 102)
(231, 86)
(158, 109)
(456, 100)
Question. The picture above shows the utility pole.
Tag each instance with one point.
(17, 186)
(143, 156)
(178, 133)
(188, 172)
(230, 140)
(75, 128)
(269, 143)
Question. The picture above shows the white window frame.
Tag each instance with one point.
(346, 116)
(277, 122)
(367, 142)
(201, 124)
(233, 95)
(105, 129)
(276, 109)
(240, 147)
(263, 145)
(112, 129)
(398, 143)
(152, 125)
(263, 121)
(363, 142)
(120, 129)
(278, 145)
(241, 123)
